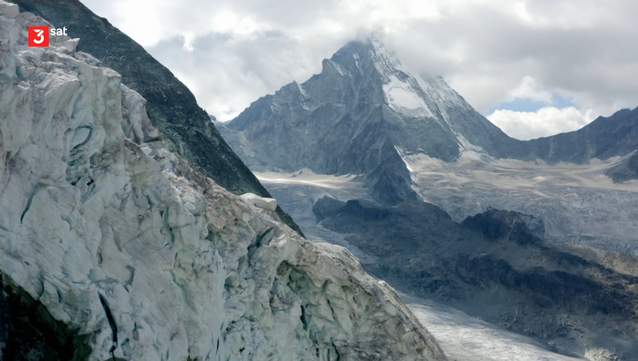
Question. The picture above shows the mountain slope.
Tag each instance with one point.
(626, 169)
(362, 98)
(342, 120)
(127, 253)
(494, 267)
(605, 137)
(171, 106)
(350, 118)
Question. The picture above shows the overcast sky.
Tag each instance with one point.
(535, 67)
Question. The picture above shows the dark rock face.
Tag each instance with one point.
(603, 138)
(626, 169)
(171, 107)
(29, 333)
(390, 181)
(493, 266)
(497, 225)
(340, 120)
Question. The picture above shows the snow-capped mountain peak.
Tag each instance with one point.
(351, 118)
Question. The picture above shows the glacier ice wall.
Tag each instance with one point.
(123, 241)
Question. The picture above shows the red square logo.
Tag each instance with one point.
(39, 37)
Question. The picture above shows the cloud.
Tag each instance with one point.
(491, 51)
(544, 122)
(530, 89)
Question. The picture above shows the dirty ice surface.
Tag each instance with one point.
(577, 202)
(465, 338)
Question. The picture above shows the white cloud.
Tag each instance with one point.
(544, 122)
(188, 41)
(530, 89)
(231, 52)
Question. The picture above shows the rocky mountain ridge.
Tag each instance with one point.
(119, 245)
(604, 138)
(365, 110)
(352, 117)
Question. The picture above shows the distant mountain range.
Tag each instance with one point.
(365, 109)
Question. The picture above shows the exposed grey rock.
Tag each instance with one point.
(626, 169)
(350, 118)
(172, 108)
(342, 122)
(360, 100)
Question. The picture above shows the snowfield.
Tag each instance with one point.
(405, 100)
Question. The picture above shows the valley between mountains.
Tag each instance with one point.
(134, 226)
(536, 237)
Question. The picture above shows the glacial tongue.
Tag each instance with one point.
(143, 257)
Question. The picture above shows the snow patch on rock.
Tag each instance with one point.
(404, 100)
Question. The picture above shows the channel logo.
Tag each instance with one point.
(39, 37)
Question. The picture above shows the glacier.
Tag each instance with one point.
(577, 203)
(121, 240)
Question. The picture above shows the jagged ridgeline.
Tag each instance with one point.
(365, 110)
(355, 117)
(114, 248)
(171, 106)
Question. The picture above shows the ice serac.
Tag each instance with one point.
(123, 243)
(184, 126)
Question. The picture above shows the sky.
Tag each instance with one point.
(533, 67)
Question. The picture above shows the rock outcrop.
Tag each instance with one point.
(626, 169)
(493, 266)
(138, 256)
